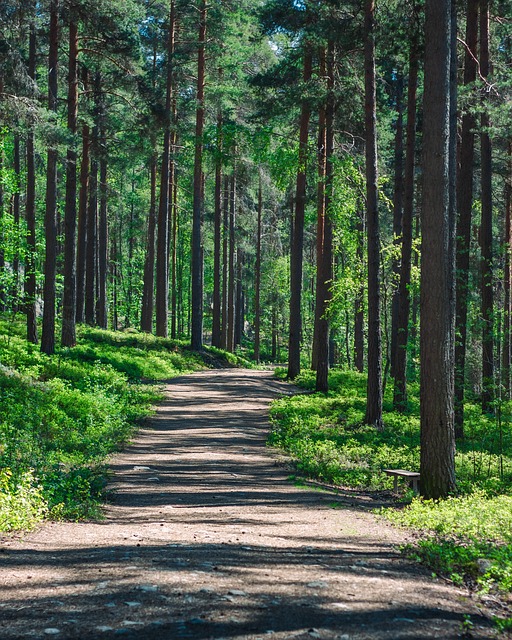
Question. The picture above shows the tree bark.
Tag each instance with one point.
(465, 206)
(92, 225)
(50, 221)
(324, 267)
(404, 298)
(197, 206)
(146, 322)
(216, 319)
(30, 211)
(81, 250)
(225, 254)
(68, 336)
(359, 300)
(257, 268)
(486, 263)
(102, 243)
(230, 341)
(507, 311)
(438, 261)
(374, 390)
(297, 248)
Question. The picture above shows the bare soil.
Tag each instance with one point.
(206, 537)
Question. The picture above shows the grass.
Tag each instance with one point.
(61, 416)
(467, 537)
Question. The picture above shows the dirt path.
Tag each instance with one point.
(206, 538)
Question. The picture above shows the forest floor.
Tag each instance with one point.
(206, 537)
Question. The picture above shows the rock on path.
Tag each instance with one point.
(205, 537)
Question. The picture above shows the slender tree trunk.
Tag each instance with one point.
(398, 197)
(297, 248)
(507, 311)
(102, 244)
(437, 263)
(225, 284)
(50, 221)
(404, 297)
(146, 323)
(230, 344)
(197, 207)
(83, 200)
(486, 266)
(359, 300)
(30, 212)
(68, 337)
(239, 306)
(174, 254)
(465, 206)
(257, 286)
(216, 321)
(324, 267)
(92, 224)
(16, 211)
(320, 212)
(374, 390)
(162, 252)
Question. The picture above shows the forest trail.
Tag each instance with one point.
(205, 537)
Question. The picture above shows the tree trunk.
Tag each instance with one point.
(146, 322)
(486, 265)
(50, 221)
(92, 225)
(359, 300)
(81, 250)
(398, 198)
(216, 319)
(68, 337)
(102, 244)
(30, 211)
(297, 248)
(404, 297)
(239, 305)
(507, 311)
(16, 210)
(230, 343)
(374, 389)
(320, 211)
(257, 286)
(324, 267)
(437, 263)
(465, 205)
(162, 252)
(174, 254)
(197, 207)
(225, 253)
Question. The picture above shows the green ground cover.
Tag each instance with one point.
(61, 416)
(467, 537)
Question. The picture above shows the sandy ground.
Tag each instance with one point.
(206, 537)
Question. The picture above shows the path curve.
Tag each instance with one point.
(205, 537)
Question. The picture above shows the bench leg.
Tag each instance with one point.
(415, 485)
(395, 484)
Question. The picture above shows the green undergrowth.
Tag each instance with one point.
(61, 416)
(467, 537)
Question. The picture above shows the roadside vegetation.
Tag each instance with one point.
(467, 537)
(62, 415)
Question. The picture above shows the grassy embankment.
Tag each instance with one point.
(61, 416)
(469, 536)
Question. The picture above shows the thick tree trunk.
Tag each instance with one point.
(465, 206)
(404, 297)
(146, 322)
(30, 211)
(324, 267)
(437, 263)
(486, 266)
(216, 319)
(297, 247)
(68, 337)
(257, 275)
(50, 221)
(197, 206)
(374, 389)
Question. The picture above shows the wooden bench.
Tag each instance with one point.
(412, 476)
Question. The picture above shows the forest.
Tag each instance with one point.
(325, 184)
